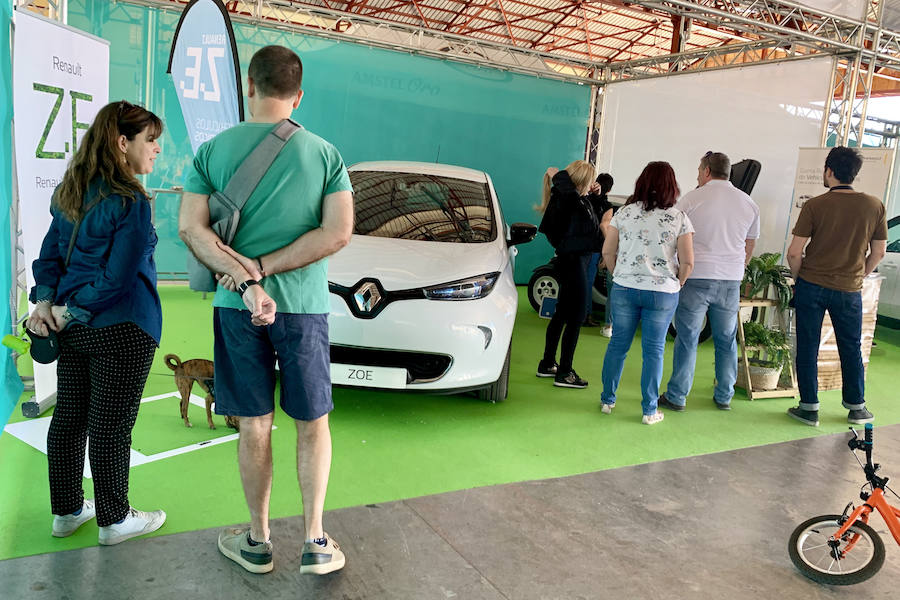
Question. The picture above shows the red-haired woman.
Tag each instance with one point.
(649, 250)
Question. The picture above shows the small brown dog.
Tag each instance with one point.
(201, 371)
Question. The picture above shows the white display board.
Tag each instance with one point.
(873, 178)
(762, 112)
(60, 82)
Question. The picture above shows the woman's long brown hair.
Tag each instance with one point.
(99, 156)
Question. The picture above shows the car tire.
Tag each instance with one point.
(543, 283)
(497, 391)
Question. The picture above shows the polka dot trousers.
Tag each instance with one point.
(100, 380)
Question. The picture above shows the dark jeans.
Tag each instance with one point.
(845, 309)
(571, 309)
(592, 268)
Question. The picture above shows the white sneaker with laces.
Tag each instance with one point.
(65, 525)
(137, 522)
(652, 419)
(606, 409)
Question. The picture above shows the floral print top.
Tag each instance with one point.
(647, 255)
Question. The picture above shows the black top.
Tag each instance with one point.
(572, 222)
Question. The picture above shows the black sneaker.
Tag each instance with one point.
(569, 380)
(664, 402)
(810, 417)
(547, 369)
(721, 406)
(860, 416)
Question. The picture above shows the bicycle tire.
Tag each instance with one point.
(809, 558)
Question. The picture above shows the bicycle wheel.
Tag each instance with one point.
(834, 564)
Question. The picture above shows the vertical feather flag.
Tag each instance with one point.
(205, 70)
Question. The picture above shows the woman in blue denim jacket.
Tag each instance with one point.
(103, 304)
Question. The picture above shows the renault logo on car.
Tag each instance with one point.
(367, 297)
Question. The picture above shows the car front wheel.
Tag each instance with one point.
(497, 391)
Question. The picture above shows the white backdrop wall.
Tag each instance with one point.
(844, 8)
(763, 112)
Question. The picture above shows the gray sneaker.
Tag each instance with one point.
(66, 525)
(319, 560)
(235, 544)
(860, 416)
(810, 417)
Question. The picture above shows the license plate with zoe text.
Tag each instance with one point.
(380, 377)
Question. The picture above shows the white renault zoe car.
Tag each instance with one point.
(423, 297)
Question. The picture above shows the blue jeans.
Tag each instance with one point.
(609, 287)
(845, 308)
(653, 310)
(721, 300)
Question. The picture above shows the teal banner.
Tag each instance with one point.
(12, 384)
(372, 104)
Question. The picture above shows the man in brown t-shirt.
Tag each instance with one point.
(847, 235)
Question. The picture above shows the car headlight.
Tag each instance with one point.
(464, 289)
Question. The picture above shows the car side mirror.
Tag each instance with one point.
(520, 233)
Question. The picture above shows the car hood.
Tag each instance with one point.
(403, 264)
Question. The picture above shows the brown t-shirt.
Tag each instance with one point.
(840, 226)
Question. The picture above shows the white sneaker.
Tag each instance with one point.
(606, 331)
(137, 522)
(652, 419)
(606, 409)
(65, 525)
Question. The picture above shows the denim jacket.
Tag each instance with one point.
(111, 277)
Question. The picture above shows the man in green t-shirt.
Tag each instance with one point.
(273, 301)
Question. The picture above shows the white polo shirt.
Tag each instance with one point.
(723, 218)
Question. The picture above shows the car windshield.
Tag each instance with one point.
(417, 206)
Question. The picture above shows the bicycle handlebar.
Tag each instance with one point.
(866, 444)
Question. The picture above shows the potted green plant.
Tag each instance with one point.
(771, 347)
(764, 271)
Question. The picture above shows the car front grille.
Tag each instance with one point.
(421, 367)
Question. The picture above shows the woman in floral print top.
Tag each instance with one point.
(649, 249)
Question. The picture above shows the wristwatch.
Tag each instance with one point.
(243, 287)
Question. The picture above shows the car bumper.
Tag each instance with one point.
(428, 345)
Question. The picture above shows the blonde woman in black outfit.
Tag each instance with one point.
(573, 228)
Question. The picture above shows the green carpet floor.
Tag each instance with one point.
(389, 446)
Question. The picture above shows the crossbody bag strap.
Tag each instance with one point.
(87, 208)
(253, 169)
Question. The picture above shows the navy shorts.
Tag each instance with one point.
(245, 358)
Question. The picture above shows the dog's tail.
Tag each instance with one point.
(172, 361)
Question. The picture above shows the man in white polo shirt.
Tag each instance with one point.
(726, 223)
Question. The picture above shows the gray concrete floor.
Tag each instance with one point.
(713, 526)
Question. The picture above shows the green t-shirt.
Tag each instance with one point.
(286, 204)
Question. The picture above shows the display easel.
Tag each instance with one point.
(781, 391)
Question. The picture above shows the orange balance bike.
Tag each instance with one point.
(843, 549)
